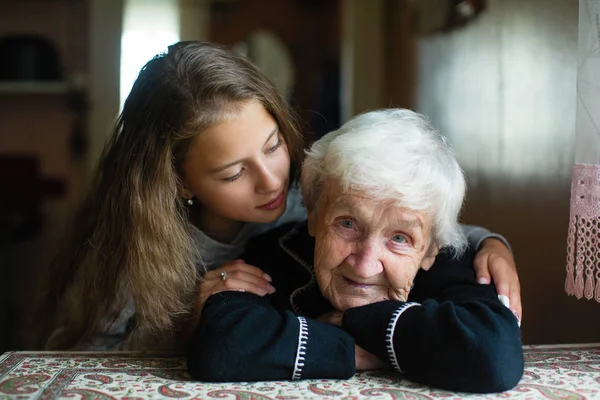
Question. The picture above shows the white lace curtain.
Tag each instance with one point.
(583, 243)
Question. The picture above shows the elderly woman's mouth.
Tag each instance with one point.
(356, 285)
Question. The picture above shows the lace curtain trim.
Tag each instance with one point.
(583, 242)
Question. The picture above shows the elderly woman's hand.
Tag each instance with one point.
(494, 261)
(332, 317)
(365, 360)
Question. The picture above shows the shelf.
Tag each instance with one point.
(51, 88)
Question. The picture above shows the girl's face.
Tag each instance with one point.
(239, 169)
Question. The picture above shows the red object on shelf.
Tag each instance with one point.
(22, 190)
(22, 184)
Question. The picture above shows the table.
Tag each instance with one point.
(551, 372)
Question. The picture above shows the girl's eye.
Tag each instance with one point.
(345, 223)
(399, 239)
(234, 177)
(277, 145)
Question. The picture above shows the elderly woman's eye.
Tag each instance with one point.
(399, 239)
(347, 224)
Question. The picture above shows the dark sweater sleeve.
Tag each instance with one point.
(459, 337)
(241, 337)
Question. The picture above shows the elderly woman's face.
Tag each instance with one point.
(367, 251)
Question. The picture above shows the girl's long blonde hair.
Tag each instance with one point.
(130, 239)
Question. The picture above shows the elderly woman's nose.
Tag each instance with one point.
(366, 260)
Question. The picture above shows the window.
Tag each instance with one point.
(149, 27)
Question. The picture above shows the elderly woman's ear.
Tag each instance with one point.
(429, 258)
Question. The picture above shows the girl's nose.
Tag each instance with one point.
(268, 181)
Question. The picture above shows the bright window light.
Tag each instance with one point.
(149, 27)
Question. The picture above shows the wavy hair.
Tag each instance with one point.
(392, 154)
(130, 239)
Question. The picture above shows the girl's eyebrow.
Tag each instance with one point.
(273, 132)
(224, 167)
(231, 164)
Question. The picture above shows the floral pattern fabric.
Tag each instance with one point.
(551, 372)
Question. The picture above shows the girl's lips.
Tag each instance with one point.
(275, 203)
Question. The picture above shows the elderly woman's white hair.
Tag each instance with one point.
(392, 154)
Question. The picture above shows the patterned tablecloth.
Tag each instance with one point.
(551, 372)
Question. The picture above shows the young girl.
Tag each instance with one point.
(203, 157)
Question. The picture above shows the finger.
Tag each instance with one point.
(482, 272)
(242, 275)
(332, 317)
(504, 300)
(515, 302)
(232, 284)
(237, 266)
(503, 274)
(502, 286)
(507, 285)
(234, 264)
(232, 279)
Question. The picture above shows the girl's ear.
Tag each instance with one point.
(183, 191)
(186, 194)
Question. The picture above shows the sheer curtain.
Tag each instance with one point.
(583, 243)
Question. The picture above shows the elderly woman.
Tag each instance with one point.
(379, 275)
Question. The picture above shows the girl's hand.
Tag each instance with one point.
(235, 275)
(495, 261)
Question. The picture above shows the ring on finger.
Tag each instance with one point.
(223, 275)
